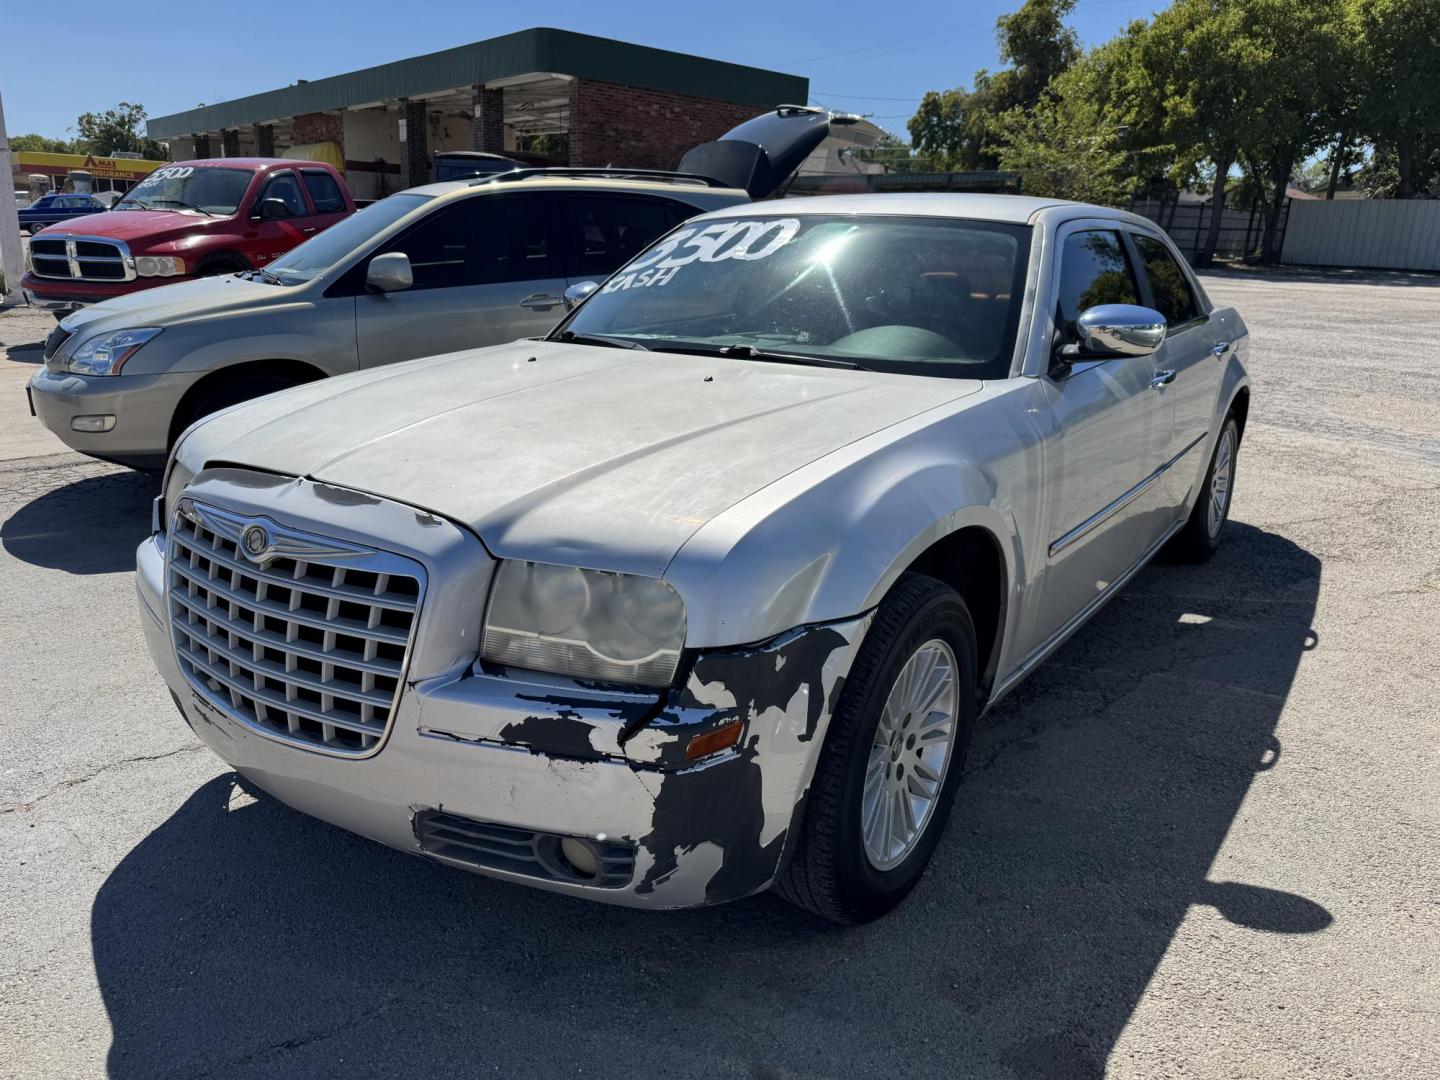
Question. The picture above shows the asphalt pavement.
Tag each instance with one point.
(1201, 841)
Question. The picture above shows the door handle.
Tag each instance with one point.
(541, 302)
(1162, 379)
(308, 231)
(1219, 349)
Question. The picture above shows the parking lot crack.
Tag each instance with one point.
(75, 781)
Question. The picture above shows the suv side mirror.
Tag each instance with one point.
(390, 272)
(578, 292)
(273, 209)
(1120, 330)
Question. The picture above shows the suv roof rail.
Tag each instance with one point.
(608, 172)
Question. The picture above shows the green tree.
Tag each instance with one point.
(1399, 105)
(41, 144)
(954, 127)
(118, 130)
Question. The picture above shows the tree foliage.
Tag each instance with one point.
(118, 130)
(42, 144)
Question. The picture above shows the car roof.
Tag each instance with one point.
(1014, 209)
(656, 186)
(249, 162)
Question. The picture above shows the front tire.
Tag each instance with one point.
(1200, 537)
(892, 759)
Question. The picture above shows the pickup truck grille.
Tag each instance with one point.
(66, 258)
(308, 651)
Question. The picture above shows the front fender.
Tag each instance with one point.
(828, 541)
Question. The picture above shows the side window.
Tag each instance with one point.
(606, 231)
(1093, 270)
(283, 186)
(324, 192)
(1168, 285)
(481, 241)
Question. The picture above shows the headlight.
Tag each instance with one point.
(585, 623)
(105, 353)
(159, 265)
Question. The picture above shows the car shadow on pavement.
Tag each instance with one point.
(242, 939)
(91, 526)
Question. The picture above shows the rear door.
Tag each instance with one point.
(1188, 365)
(487, 270)
(326, 199)
(605, 230)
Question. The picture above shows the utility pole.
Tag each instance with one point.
(12, 260)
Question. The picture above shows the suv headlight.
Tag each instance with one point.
(589, 624)
(159, 265)
(105, 354)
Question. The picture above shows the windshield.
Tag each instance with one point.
(318, 254)
(207, 188)
(930, 296)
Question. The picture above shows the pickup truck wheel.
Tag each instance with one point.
(226, 393)
(1201, 534)
(892, 759)
(219, 267)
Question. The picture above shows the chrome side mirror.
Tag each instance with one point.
(578, 292)
(390, 272)
(1120, 330)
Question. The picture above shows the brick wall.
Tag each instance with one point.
(612, 124)
(319, 127)
(415, 150)
(265, 140)
(230, 143)
(488, 130)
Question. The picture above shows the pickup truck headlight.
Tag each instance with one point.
(588, 624)
(159, 265)
(104, 354)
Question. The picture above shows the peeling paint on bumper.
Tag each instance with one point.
(548, 755)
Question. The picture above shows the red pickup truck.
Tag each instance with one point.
(188, 219)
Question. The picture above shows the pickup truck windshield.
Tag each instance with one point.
(207, 188)
(321, 252)
(928, 296)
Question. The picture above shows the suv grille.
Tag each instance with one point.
(309, 652)
(69, 259)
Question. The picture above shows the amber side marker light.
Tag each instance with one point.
(713, 742)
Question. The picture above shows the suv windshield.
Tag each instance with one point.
(321, 252)
(208, 188)
(930, 296)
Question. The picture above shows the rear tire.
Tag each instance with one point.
(1203, 530)
(835, 870)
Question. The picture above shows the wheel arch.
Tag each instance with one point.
(297, 370)
(221, 262)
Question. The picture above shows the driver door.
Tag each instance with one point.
(1108, 439)
(275, 236)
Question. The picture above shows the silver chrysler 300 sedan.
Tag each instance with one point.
(702, 592)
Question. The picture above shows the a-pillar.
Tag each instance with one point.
(414, 152)
(488, 128)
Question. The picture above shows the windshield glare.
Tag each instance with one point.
(320, 252)
(209, 188)
(929, 296)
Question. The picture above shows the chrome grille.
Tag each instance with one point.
(307, 650)
(69, 258)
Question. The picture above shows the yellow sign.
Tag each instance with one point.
(29, 161)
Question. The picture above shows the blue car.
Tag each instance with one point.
(48, 209)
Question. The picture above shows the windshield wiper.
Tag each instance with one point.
(750, 352)
(572, 338)
(187, 206)
(266, 275)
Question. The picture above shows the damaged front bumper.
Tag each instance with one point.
(492, 770)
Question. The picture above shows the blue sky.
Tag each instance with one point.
(876, 58)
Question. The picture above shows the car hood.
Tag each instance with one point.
(185, 301)
(152, 226)
(596, 457)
